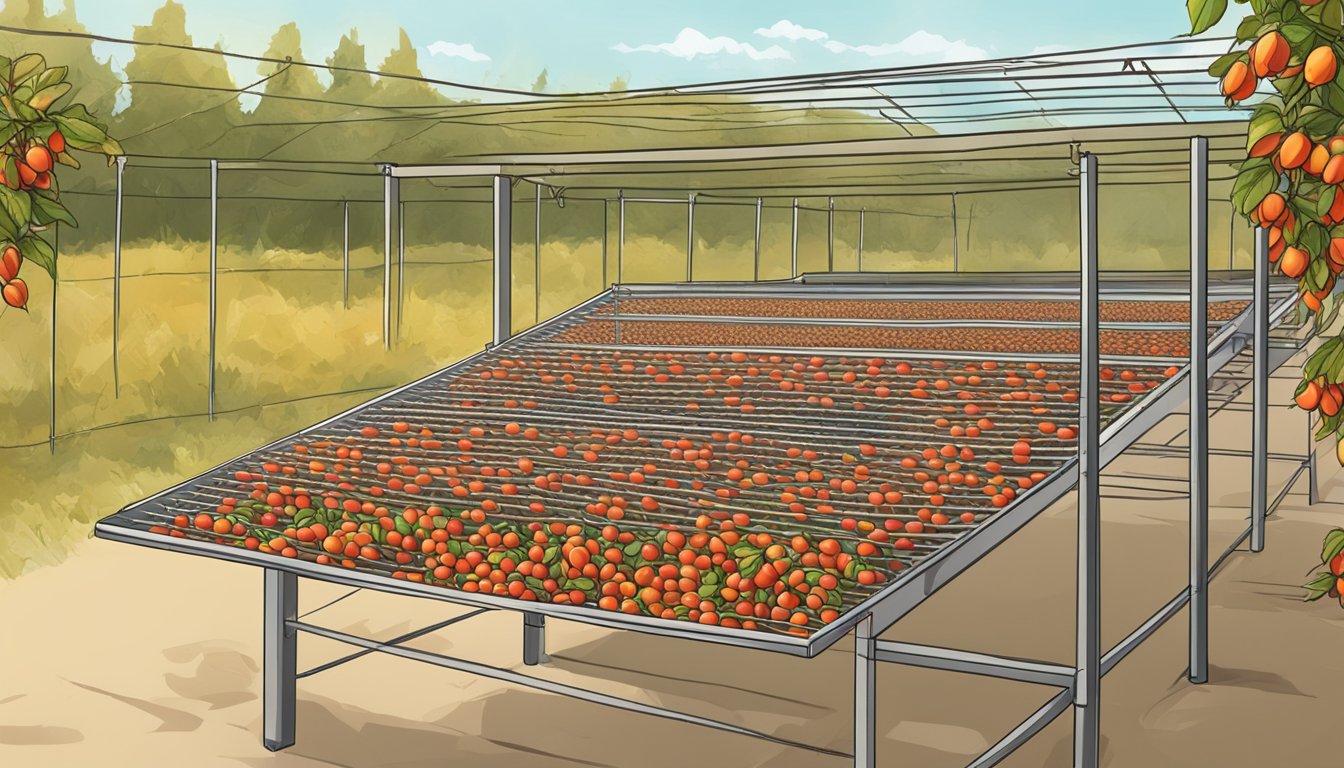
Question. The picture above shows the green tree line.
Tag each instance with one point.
(184, 103)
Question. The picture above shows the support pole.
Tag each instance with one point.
(620, 236)
(756, 252)
(502, 324)
(345, 253)
(51, 381)
(1232, 237)
(830, 234)
(606, 231)
(956, 247)
(536, 262)
(793, 251)
(1087, 688)
(865, 694)
(214, 278)
(1260, 393)
(401, 257)
(1199, 409)
(391, 193)
(860, 259)
(280, 658)
(534, 639)
(1313, 495)
(690, 237)
(116, 286)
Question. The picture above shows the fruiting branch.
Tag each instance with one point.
(37, 133)
(1290, 183)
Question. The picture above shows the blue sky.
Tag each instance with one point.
(584, 45)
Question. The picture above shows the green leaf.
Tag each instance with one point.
(1223, 63)
(1332, 15)
(25, 67)
(43, 99)
(1297, 33)
(79, 133)
(1252, 185)
(17, 203)
(749, 565)
(39, 251)
(1204, 14)
(46, 210)
(1248, 29)
(1266, 120)
(1317, 122)
(1326, 200)
(1319, 587)
(9, 228)
(50, 77)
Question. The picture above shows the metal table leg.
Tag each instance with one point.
(279, 666)
(534, 639)
(865, 694)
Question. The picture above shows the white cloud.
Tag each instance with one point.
(457, 50)
(790, 31)
(692, 42)
(1044, 49)
(921, 44)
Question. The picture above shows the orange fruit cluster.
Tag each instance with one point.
(14, 289)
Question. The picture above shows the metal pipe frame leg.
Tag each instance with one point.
(1313, 492)
(865, 694)
(280, 659)
(1087, 684)
(534, 639)
(1199, 410)
(1260, 393)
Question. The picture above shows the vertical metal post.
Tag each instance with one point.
(1087, 686)
(345, 253)
(536, 261)
(865, 694)
(956, 247)
(756, 252)
(390, 195)
(690, 237)
(534, 639)
(620, 236)
(606, 232)
(279, 658)
(51, 382)
(793, 250)
(1199, 409)
(401, 258)
(116, 286)
(214, 278)
(502, 324)
(1232, 237)
(1260, 392)
(1313, 495)
(860, 259)
(830, 234)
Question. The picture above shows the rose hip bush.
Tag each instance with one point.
(39, 130)
(1290, 183)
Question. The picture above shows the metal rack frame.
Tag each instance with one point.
(1078, 683)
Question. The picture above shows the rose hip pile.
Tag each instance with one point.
(745, 490)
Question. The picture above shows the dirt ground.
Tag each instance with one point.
(122, 656)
